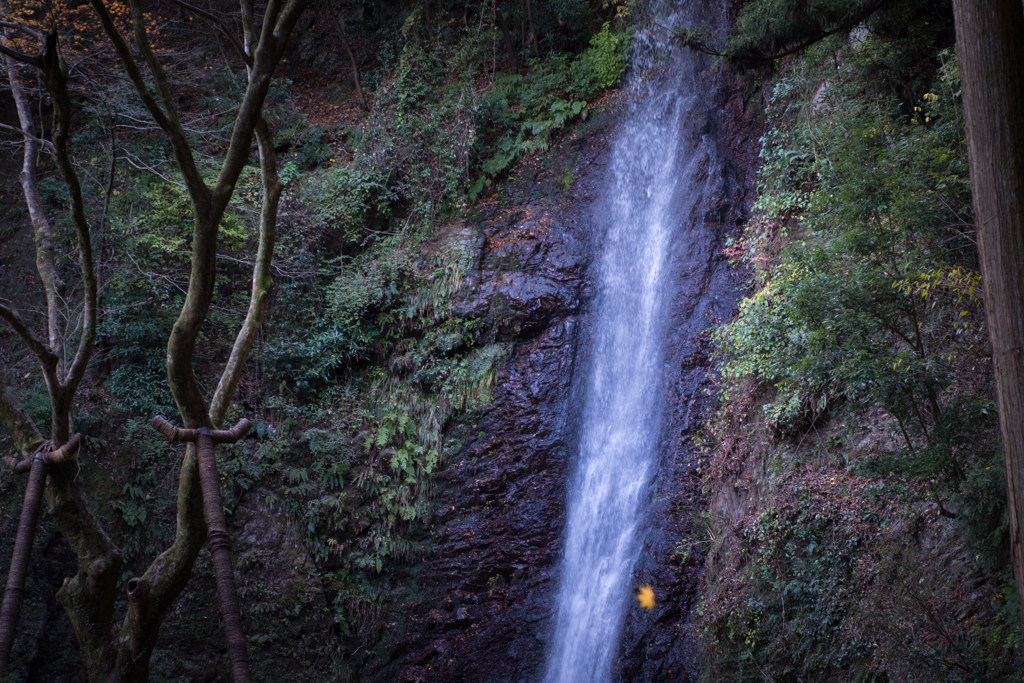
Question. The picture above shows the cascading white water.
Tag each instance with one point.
(650, 191)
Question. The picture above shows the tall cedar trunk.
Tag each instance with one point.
(990, 42)
(512, 67)
(19, 560)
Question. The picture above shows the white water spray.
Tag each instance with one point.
(651, 190)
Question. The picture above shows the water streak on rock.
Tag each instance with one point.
(654, 183)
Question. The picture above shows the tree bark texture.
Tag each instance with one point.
(41, 229)
(19, 560)
(219, 541)
(990, 43)
(153, 593)
(262, 281)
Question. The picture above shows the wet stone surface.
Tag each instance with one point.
(485, 594)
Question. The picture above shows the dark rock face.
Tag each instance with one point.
(487, 590)
(660, 645)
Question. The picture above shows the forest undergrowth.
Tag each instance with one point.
(365, 378)
(858, 529)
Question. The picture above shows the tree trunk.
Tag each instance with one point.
(339, 26)
(990, 43)
(533, 29)
(19, 559)
(42, 233)
(508, 41)
(115, 655)
(219, 541)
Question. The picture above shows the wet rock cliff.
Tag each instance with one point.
(481, 605)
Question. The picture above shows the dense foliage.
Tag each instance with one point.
(364, 368)
(859, 417)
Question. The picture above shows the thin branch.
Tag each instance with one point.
(18, 131)
(151, 275)
(278, 270)
(110, 182)
(35, 61)
(219, 23)
(23, 28)
(42, 351)
(152, 169)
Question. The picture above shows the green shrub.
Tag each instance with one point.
(346, 198)
(135, 332)
(866, 297)
(876, 297)
(600, 67)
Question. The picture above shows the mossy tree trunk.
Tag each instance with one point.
(122, 653)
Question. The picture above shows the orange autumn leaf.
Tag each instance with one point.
(645, 596)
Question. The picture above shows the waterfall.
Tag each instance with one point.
(651, 190)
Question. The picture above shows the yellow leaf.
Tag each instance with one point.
(645, 596)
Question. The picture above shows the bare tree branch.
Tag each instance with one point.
(27, 30)
(152, 169)
(262, 282)
(18, 131)
(42, 351)
(219, 23)
(33, 60)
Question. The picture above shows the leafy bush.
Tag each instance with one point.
(523, 112)
(866, 309)
(600, 67)
(136, 335)
(346, 199)
(876, 297)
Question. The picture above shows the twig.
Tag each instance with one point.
(13, 129)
